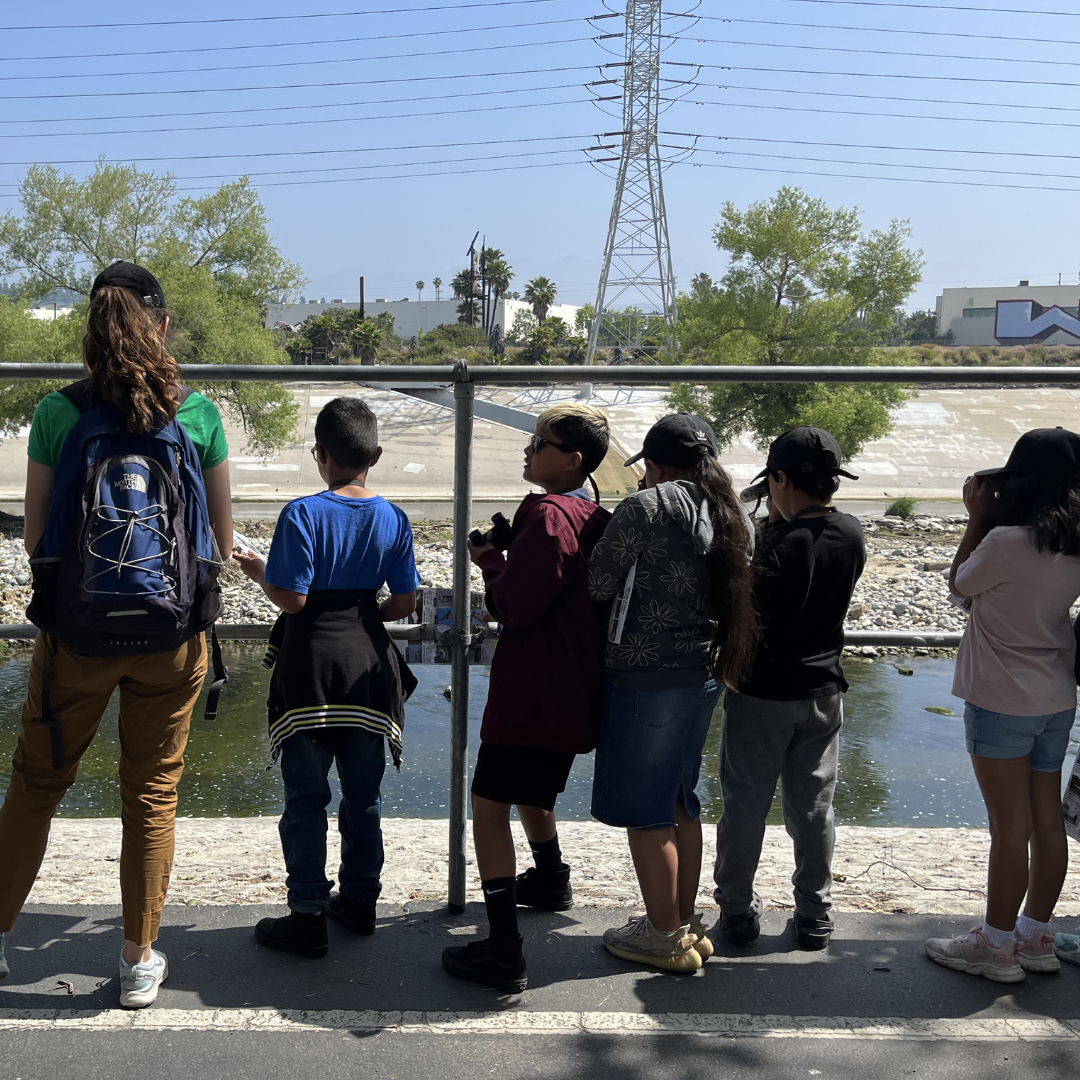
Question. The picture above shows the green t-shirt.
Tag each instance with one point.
(55, 416)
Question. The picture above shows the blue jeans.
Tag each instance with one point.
(305, 765)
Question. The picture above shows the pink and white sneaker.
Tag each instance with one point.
(1037, 954)
(974, 954)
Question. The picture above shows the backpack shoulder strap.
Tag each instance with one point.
(185, 393)
(80, 394)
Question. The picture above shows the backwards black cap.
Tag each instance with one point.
(679, 440)
(1049, 453)
(800, 452)
(134, 278)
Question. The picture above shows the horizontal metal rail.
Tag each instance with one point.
(903, 639)
(541, 375)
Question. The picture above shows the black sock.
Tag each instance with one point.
(501, 901)
(548, 855)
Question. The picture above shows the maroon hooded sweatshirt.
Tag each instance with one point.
(547, 678)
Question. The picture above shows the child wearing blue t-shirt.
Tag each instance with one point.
(339, 684)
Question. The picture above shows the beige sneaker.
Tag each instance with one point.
(640, 942)
(1037, 954)
(703, 946)
(974, 954)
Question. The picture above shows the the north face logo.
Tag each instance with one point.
(130, 482)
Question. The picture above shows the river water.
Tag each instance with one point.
(899, 763)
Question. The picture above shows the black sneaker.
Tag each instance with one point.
(494, 962)
(812, 933)
(359, 918)
(297, 933)
(741, 929)
(545, 890)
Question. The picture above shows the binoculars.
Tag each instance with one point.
(498, 535)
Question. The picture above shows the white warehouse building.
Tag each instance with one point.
(1019, 315)
(412, 317)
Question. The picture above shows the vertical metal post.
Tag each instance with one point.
(460, 636)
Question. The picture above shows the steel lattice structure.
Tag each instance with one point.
(637, 255)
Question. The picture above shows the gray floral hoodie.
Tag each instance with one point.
(659, 631)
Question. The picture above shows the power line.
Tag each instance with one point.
(882, 75)
(292, 63)
(291, 44)
(257, 109)
(891, 30)
(347, 119)
(885, 115)
(885, 52)
(297, 86)
(279, 18)
(303, 153)
(892, 97)
(898, 179)
(936, 7)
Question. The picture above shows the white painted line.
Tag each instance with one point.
(729, 1025)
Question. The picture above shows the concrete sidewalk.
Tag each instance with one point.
(382, 1006)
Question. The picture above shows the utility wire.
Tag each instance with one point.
(296, 86)
(292, 63)
(937, 7)
(128, 25)
(292, 44)
(891, 30)
(884, 52)
(879, 75)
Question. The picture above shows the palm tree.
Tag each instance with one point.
(462, 283)
(366, 339)
(540, 293)
(498, 274)
(419, 289)
(437, 282)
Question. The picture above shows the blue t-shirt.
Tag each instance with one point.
(328, 541)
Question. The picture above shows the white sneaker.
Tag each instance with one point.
(640, 942)
(5, 971)
(974, 954)
(139, 983)
(1037, 954)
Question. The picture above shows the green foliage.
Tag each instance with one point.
(559, 328)
(523, 325)
(437, 283)
(804, 286)
(215, 259)
(450, 342)
(540, 347)
(583, 320)
(901, 508)
(540, 293)
(981, 355)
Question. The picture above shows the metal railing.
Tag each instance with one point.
(464, 380)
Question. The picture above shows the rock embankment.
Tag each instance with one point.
(902, 588)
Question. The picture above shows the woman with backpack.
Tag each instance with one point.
(1018, 566)
(137, 572)
(675, 559)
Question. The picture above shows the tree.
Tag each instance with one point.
(539, 346)
(462, 284)
(366, 339)
(559, 328)
(804, 285)
(437, 282)
(540, 293)
(523, 325)
(495, 277)
(213, 254)
(419, 289)
(583, 320)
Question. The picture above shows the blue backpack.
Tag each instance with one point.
(128, 563)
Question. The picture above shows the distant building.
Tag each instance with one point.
(1018, 315)
(413, 317)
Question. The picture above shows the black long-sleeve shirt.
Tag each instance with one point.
(807, 571)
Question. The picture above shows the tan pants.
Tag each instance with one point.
(157, 694)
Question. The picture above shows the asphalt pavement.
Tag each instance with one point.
(872, 1004)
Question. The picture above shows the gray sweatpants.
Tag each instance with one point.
(798, 743)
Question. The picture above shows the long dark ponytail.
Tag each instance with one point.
(730, 576)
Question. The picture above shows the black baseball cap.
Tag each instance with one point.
(1049, 453)
(679, 440)
(134, 278)
(802, 451)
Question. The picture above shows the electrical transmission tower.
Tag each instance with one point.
(637, 269)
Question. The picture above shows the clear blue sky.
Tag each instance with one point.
(789, 79)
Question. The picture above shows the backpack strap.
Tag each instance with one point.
(221, 676)
(81, 394)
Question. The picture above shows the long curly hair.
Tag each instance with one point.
(126, 358)
(730, 598)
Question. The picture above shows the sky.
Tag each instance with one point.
(382, 134)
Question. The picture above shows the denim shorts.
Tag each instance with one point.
(1001, 735)
(649, 748)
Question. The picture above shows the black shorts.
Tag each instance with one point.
(520, 775)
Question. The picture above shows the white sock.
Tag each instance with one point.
(996, 937)
(1028, 929)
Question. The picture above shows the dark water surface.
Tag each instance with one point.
(899, 764)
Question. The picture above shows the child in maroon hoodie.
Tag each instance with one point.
(546, 686)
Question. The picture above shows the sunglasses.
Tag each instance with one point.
(538, 442)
